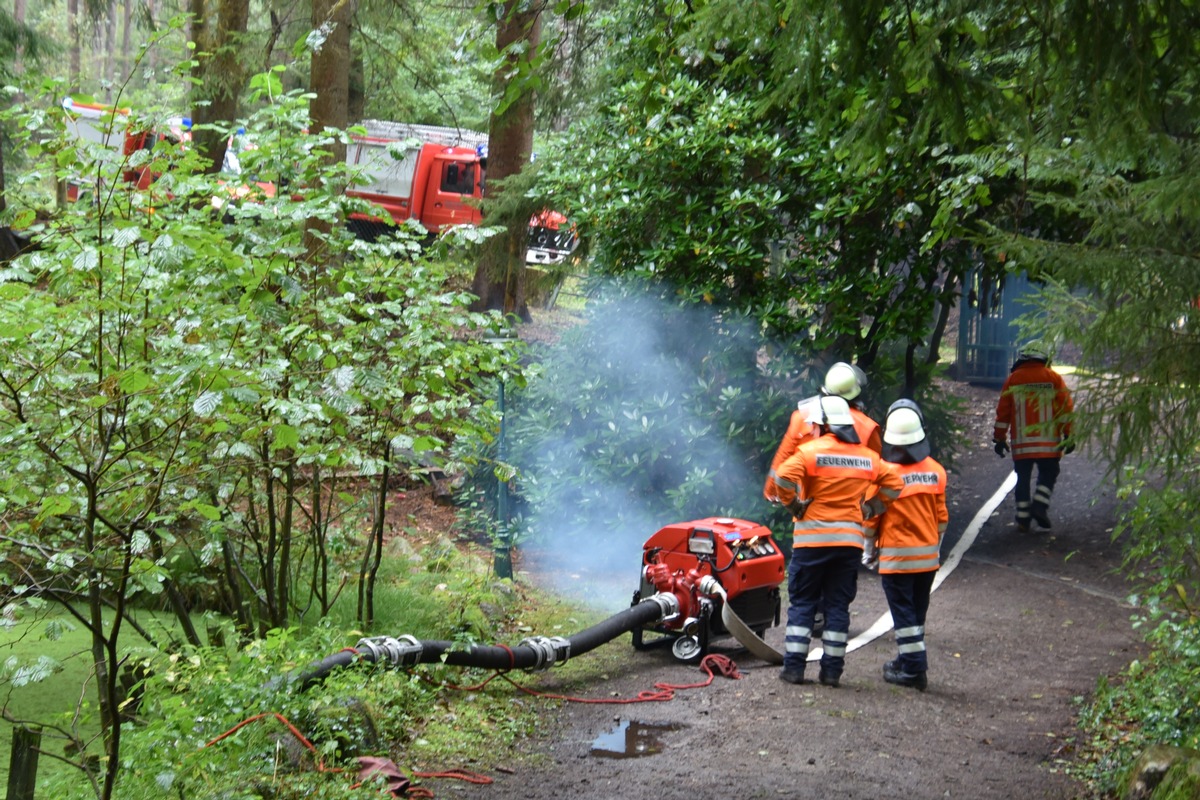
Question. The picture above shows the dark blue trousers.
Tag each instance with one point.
(908, 598)
(826, 577)
(1026, 495)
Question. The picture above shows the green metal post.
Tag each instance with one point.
(502, 561)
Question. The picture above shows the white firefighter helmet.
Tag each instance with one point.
(903, 427)
(844, 380)
(1036, 350)
(905, 402)
(832, 411)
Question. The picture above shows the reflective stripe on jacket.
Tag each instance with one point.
(800, 430)
(910, 531)
(834, 477)
(1033, 411)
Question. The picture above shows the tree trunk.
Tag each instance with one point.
(73, 45)
(356, 100)
(329, 76)
(946, 299)
(19, 9)
(219, 73)
(110, 45)
(373, 556)
(126, 34)
(500, 275)
(149, 8)
(3, 182)
(329, 81)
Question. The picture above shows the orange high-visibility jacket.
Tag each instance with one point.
(834, 478)
(800, 430)
(1033, 411)
(867, 430)
(910, 531)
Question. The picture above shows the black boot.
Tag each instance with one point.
(1038, 512)
(792, 675)
(828, 677)
(915, 680)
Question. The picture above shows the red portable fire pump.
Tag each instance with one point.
(725, 574)
(701, 581)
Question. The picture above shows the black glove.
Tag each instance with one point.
(798, 507)
(1001, 447)
(1067, 448)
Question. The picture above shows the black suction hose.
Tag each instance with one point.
(534, 653)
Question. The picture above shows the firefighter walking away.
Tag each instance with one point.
(1034, 414)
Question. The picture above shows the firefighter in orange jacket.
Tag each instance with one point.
(1034, 413)
(842, 380)
(848, 381)
(909, 541)
(825, 484)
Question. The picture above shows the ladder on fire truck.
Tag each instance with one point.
(399, 131)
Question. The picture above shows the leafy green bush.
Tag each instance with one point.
(204, 396)
(648, 413)
(1160, 525)
(192, 697)
(1156, 701)
(654, 412)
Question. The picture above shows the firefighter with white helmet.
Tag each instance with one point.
(1034, 414)
(841, 380)
(844, 380)
(848, 382)
(909, 540)
(825, 484)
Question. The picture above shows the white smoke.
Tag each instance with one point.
(636, 422)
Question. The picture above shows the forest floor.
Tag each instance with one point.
(1018, 634)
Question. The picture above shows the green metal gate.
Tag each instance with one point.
(987, 330)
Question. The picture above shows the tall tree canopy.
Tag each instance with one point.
(1064, 137)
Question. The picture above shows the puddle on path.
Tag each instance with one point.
(632, 739)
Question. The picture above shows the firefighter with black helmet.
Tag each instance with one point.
(825, 484)
(1034, 414)
(907, 548)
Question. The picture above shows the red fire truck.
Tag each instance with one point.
(435, 175)
(420, 172)
(109, 127)
(429, 174)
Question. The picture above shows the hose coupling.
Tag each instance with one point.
(548, 649)
(710, 585)
(667, 603)
(404, 651)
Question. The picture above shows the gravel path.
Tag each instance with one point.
(1017, 634)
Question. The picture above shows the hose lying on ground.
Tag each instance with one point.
(534, 653)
